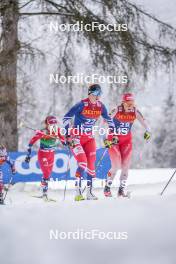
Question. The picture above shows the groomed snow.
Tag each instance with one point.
(148, 218)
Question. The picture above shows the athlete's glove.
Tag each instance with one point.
(13, 169)
(28, 157)
(70, 142)
(107, 143)
(147, 135)
(115, 140)
(110, 143)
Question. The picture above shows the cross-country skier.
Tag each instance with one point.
(81, 138)
(4, 158)
(120, 154)
(48, 142)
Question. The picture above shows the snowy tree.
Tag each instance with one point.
(165, 152)
(132, 52)
(9, 47)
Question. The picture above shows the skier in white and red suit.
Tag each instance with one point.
(48, 142)
(4, 158)
(120, 154)
(85, 114)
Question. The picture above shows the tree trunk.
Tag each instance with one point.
(8, 74)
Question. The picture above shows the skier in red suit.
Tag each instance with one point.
(120, 154)
(48, 142)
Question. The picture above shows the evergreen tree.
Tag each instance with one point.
(165, 152)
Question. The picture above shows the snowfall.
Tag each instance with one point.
(34, 231)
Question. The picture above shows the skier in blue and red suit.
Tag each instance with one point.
(80, 136)
(48, 137)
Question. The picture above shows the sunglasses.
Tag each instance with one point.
(97, 93)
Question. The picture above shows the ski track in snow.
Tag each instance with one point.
(148, 218)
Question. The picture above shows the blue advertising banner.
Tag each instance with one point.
(32, 173)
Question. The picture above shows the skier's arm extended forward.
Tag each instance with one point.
(71, 113)
(107, 118)
(39, 134)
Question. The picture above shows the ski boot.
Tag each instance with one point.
(79, 196)
(44, 187)
(45, 196)
(90, 195)
(107, 191)
(1, 198)
(122, 193)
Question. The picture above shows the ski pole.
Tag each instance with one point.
(100, 160)
(68, 169)
(142, 151)
(9, 184)
(98, 164)
(168, 183)
(23, 125)
(33, 129)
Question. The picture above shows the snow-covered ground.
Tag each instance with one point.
(148, 219)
